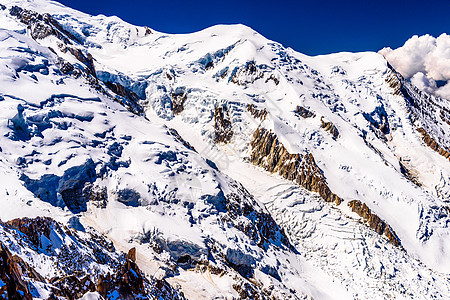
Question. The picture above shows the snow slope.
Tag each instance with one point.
(99, 146)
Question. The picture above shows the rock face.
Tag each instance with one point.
(247, 74)
(257, 224)
(374, 222)
(304, 112)
(120, 90)
(328, 126)
(11, 284)
(424, 110)
(431, 142)
(18, 279)
(178, 99)
(33, 228)
(222, 125)
(72, 287)
(257, 113)
(270, 154)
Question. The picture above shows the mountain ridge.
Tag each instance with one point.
(112, 94)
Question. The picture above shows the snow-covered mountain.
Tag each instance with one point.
(235, 168)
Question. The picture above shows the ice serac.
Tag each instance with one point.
(232, 166)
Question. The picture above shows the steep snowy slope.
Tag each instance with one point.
(72, 148)
(348, 157)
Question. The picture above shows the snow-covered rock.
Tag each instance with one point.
(236, 167)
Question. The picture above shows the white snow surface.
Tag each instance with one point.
(157, 188)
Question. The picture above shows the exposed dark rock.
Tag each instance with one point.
(147, 30)
(329, 126)
(430, 142)
(131, 255)
(178, 99)
(42, 25)
(72, 287)
(304, 112)
(247, 74)
(33, 228)
(273, 78)
(248, 291)
(408, 173)
(374, 222)
(120, 90)
(258, 225)
(17, 278)
(64, 66)
(178, 137)
(445, 115)
(270, 154)
(14, 288)
(257, 113)
(222, 125)
(127, 281)
(423, 110)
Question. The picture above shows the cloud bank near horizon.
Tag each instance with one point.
(425, 60)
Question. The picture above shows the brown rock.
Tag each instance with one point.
(11, 275)
(72, 287)
(374, 222)
(430, 142)
(257, 113)
(304, 112)
(178, 100)
(270, 154)
(222, 125)
(33, 228)
(328, 126)
(132, 254)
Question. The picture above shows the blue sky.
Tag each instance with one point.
(311, 27)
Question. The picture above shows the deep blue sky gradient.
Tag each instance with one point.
(311, 27)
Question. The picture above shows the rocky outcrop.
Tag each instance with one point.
(329, 126)
(43, 25)
(179, 138)
(270, 154)
(86, 59)
(33, 228)
(304, 112)
(120, 90)
(72, 287)
(257, 113)
(408, 172)
(273, 78)
(128, 281)
(178, 99)
(18, 279)
(247, 74)
(222, 125)
(258, 225)
(12, 286)
(423, 110)
(374, 222)
(430, 142)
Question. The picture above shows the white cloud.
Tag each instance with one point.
(424, 60)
